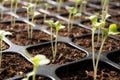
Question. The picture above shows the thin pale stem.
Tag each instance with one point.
(93, 52)
(34, 70)
(45, 14)
(11, 11)
(99, 53)
(15, 12)
(59, 5)
(28, 29)
(0, 52)
(3, 2)
(56, 42)
(69, 22)
(52, 41)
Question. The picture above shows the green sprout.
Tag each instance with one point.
(29, 29)
(77, 3)
(2, 35)
(95, 25)
(100, 25)
(46, 8)
(3, 2)
(11, 6)
(36, 60)
(59, 2)
(82, 5)
(57, 27)
(51, 24)
(16, 4)
(72, 12)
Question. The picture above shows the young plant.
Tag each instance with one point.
(82, 5)
(72, 12)
(51, 24)
(112, 31)
(46, 8)
(3, 2)
(77, 3)
(59, 2)
(15, 10)
(2, 34)
(57, 27)
(37, 60)
(29, 29)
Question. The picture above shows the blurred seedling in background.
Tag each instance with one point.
(59, 3)
(72, 14)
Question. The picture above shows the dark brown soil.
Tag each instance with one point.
(114, 56)
(5, 17)
(40, 21)
(8, 5)
(14, 64)
(86, 73)
(21, 38)
(76, 18)
(24, 14)
(110, 44)
(74, 32)
(18, 26)
(54, 10)
(116, 18)
(65, 53)
(4, 46)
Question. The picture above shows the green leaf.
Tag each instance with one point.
(77, 1)
(113, 29)
(78, 14)
(93, 19)
(40, 60)
(50, 22)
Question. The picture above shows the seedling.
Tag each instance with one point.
(50, 22)
(77, 3)
(82, 5)
(57, 27)
(2, 35)
(3, 2)
(29, 29)
(46, 8)
(11, 2)
(59, 2)
(37, 61)
(100, 25)
(72, 12)
(15, 10)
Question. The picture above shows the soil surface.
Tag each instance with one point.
(65, 53)
(54, 10)
(14, 64)
(5, 17)
(4, 46)
(21, 38)
(110, 44)
(8, 5)
(74, 32)
(40, 20)
(104, 73)
(17, 27)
